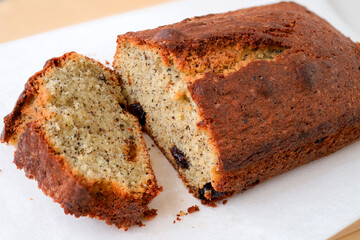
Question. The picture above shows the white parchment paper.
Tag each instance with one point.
(311, 202)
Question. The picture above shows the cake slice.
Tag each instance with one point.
(237, 98)
(74, 138)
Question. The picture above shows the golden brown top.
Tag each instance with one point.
(219, 42)
(297, 79)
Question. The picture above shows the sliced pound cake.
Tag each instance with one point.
(74, 138)
(237, 98)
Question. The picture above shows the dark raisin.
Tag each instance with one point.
(122, 105)
(214, 194)
(179, 157)
(137, 110)
(319, 140)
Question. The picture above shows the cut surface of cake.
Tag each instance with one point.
(237, 98)
(74, 138)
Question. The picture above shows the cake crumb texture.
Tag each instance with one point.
(236, 98)
(73, 137)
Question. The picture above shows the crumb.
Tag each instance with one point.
(193, 209)
(149, 214)
(31, 198)
(140, 224)
(190, 210)
(193, 227)
(106, 62)
(224, 202)
(182, 213)
(208, 203)
(0, 170)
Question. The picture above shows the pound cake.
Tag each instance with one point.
(237, 98)
(74, 138)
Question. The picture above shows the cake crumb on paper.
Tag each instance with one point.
(193, 209)
(210, 204)
(190, 210)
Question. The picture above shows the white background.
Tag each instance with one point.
(311, 202)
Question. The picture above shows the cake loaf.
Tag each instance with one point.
(237, 98)
(73, 137)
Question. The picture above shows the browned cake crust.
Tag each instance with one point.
(79, 196)
(268, 116)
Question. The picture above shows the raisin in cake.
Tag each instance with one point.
(237, 98)
(73, 137)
